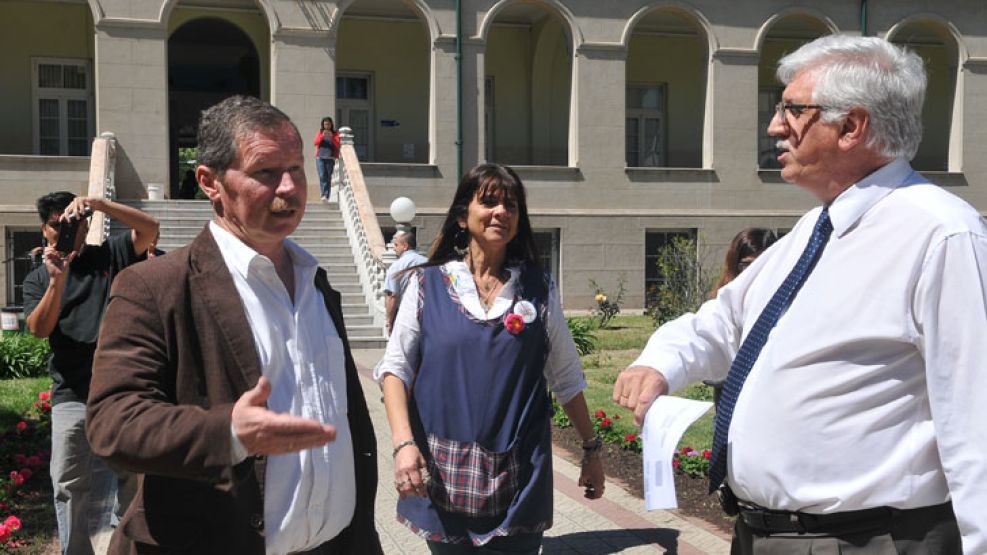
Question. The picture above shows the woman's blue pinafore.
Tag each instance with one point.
(481, 415)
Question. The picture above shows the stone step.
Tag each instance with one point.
(321, 232)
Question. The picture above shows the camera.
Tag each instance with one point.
(68, 229)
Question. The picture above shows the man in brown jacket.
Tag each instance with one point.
(223, 374)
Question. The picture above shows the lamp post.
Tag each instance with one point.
(402, 211)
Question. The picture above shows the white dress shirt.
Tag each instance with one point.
(871, 389)
(309, 496)
(563, 370)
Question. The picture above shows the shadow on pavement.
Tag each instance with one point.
(601, 542)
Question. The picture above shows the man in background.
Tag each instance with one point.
(395, 280)
(64, 299)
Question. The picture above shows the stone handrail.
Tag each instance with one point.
(362, 228)
(102, 167)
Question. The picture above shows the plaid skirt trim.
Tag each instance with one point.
(476, 540)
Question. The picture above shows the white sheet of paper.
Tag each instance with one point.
(664, 424)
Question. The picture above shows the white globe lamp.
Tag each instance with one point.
(403, 210)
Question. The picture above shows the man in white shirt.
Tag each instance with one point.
(224, 376)
(394, 284)
(860, 426)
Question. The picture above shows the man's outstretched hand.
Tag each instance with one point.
(263, 432)
(637, 387)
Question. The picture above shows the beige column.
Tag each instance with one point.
(442, 106)
(598, 108)
(733, 108)
(303, 85)
(132, 100)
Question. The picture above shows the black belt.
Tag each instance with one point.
(768, 521)
(876, 520)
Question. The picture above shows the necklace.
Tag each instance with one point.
(485, 289)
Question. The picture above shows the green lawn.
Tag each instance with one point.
(617, 346)
(18, 395)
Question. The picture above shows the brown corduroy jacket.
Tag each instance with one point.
(175, 353)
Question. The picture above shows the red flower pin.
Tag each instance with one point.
(514, 323)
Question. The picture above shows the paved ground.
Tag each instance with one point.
(617, 523)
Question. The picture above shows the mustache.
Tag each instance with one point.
(283, 205)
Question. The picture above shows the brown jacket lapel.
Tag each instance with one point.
(211, 281)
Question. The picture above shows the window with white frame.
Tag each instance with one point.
(20, 262)
(767, 159)
(654, 241)
(645, 125)
(62, 107)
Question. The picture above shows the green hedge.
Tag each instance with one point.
(23, 356)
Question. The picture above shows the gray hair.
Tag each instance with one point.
(870, 73)
(223, 124)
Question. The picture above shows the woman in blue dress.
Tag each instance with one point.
(478, 346)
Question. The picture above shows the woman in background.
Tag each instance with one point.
(478, 342)
(326, 152)
(745, 247)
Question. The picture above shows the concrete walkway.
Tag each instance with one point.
(617, 523)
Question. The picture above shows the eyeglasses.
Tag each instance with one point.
(797, 109)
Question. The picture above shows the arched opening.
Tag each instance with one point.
(666, 75)
(785, 36)
(939, 50)
(527, 87)
(382, 81)
(209, 59)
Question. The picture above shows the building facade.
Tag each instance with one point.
(630, 121)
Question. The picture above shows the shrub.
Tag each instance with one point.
(686, 282)
(559, 416)
(23, 356)
(692, 463)
(606, 306)
(582, 334)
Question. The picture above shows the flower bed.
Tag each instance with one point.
(686, 460)
(24, 457)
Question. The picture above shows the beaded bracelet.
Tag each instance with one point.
(402, 445)
(591, 447)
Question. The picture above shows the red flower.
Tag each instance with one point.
(599, 414)
(605, 423)
(21, 426)
(44, 395)
(630, 438)
(20, 458)
(5, 533)
(26, 473)
(675, 463)
(707, 453)
(16, 478)
(12, 522)
(514, 323)
(685, 450)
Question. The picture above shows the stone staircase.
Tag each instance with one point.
(321, 233)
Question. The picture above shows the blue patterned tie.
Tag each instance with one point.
(755, 341)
